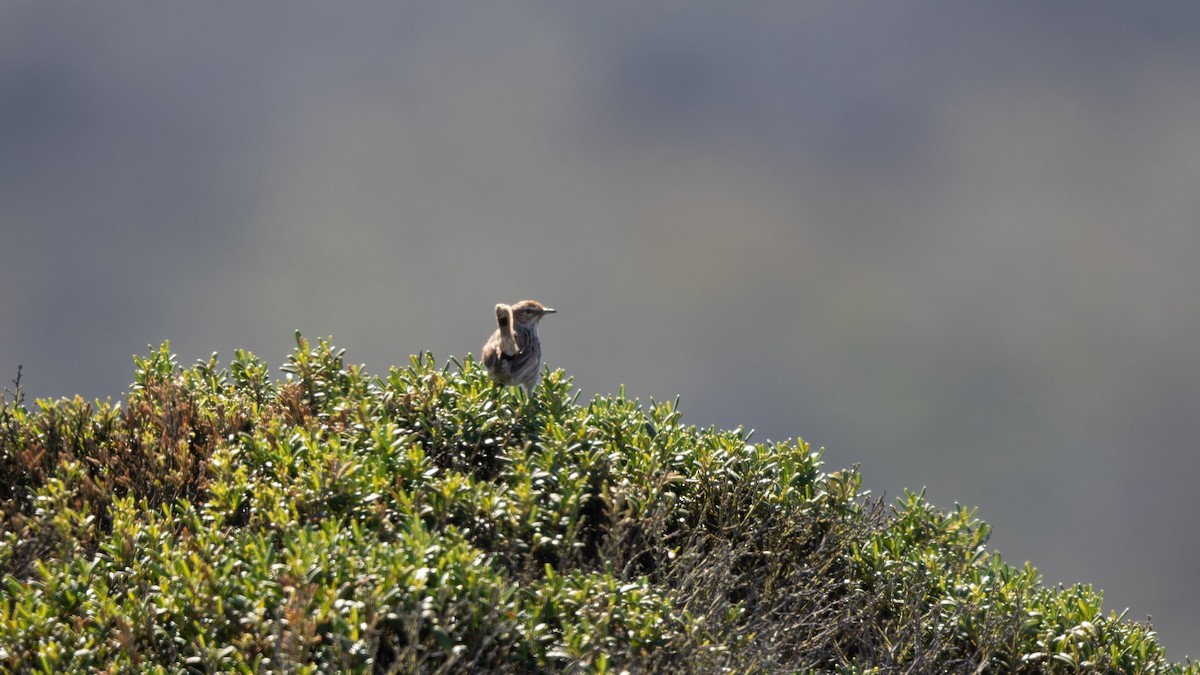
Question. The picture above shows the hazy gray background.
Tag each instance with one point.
(957, 243)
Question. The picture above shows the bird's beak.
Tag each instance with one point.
(547, 310)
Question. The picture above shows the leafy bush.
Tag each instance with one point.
(431, 521)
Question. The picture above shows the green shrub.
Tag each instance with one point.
(431, 521)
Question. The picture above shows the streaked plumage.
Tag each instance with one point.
(513, 354)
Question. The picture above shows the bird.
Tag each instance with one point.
(513, 354)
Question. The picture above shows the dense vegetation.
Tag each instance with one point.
(219, 521)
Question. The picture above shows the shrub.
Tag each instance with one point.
(431, 521)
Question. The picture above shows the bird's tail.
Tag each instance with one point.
(508, 341)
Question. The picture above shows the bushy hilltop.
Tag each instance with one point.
(431, 521)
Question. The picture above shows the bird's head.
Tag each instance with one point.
(530, 311)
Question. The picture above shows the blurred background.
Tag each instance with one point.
(958, 243)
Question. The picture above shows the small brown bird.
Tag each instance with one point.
(513, 354)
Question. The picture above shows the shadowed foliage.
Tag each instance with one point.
(431, 521)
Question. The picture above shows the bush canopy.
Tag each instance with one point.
(218, 520)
